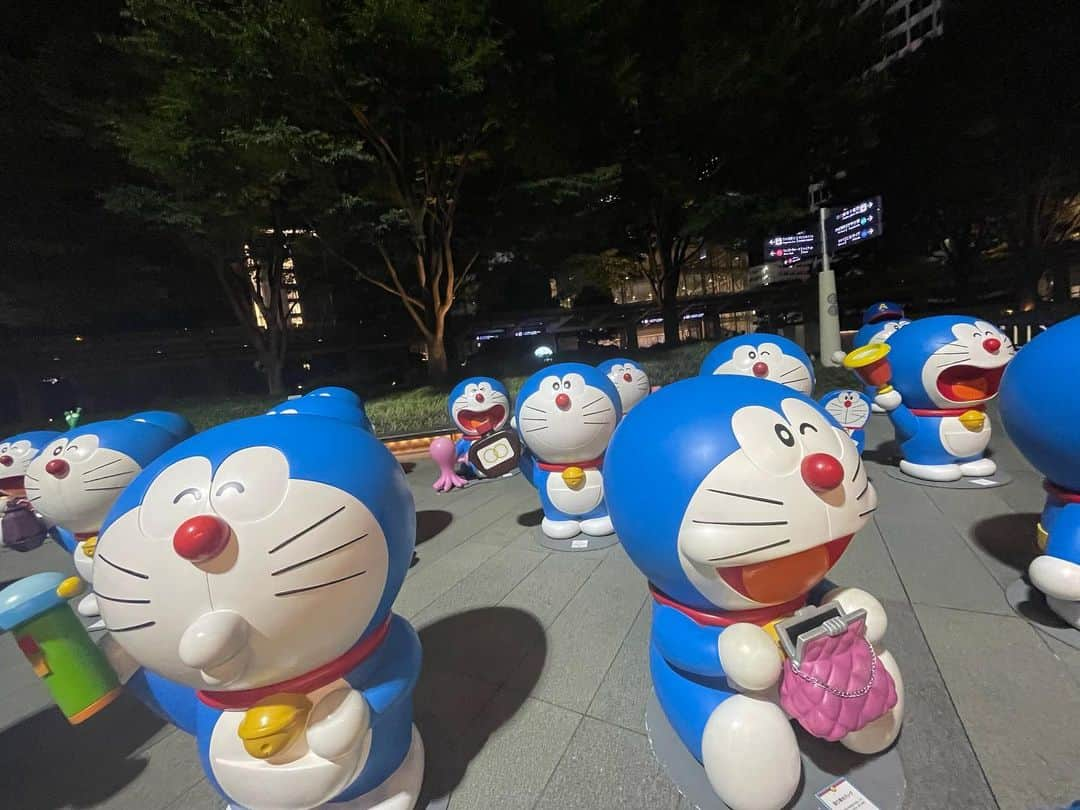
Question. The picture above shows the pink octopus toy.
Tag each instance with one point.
(442, 450)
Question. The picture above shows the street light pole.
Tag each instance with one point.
(828, 308)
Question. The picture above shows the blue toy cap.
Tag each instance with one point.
(29, 598)
(883, 311)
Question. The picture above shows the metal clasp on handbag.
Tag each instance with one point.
(813, 622)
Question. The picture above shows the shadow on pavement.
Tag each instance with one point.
(532, 518)
(460, 700)
(887, 453)
(50, 763)
(430, 522)
(1009, 538)
(408, 466)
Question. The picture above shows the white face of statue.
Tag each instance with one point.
(242, 577)
(15, 457)
(567, 420)
(968, 369)
(887, 330)
(631, 382)
(768, 361)
(849, 409)
(769, 521)
(480, 409)
(74, 482)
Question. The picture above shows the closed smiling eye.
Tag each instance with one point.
(230, 486)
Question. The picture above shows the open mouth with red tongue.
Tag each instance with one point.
(785, 578)
(969, 383)
(13, 483)
(481, 421)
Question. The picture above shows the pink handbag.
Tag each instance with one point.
(833, 682)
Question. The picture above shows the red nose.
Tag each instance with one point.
(6, 461)
(822, 472)
(627, 377)
(563, 401)
(479, 397)
(760, 369)
(201, 538)
(847, 403)
(992, 345)
(57, 468)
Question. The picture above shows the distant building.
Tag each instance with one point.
(906, 25)
(715, 271)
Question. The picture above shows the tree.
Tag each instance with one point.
(721, 119)
(197, 110)
(978, 152)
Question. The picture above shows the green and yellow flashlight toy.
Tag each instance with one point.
(58, 647)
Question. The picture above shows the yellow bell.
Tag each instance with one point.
(973, 420)
(574, 477)
(1041, 537)
(271, 724)
(89, 546)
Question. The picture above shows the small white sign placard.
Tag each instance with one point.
(842, 795)
(579, 544)
(983, 482)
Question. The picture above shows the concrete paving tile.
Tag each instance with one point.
(625, 689)
(1025, 493)
(1003, 541)
(471, 525)
(487, 585)
(445, 709)
(608, 767)
(172, 768)
(866, 564)
(935, 563)
(942, 770)
(518, 741)
(553, 583)
(488, 642)
(200, 796)
(1069, 656)
(429, 580)
(1017, 701)
(583, 640)
(104, 762)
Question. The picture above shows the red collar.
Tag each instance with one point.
(946, 411)
(724, 618)
(585, 465)
(1062, 494)
(301, 684)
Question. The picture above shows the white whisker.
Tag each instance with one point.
(301, 533)
(317, 557)
(747, 497)
(103, 466)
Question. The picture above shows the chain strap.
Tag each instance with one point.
(840, 693)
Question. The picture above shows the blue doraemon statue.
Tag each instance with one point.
(21, 527)
(477, 406)
(768, 357)
(1040, 409)
(566, 414)
(80, 474)
(735, 496)
(944, 371)
(851, 410)
(16, 453)
(337, 403)
(247, 578)
(629, 379)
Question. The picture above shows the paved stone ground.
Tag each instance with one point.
(535, 679)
